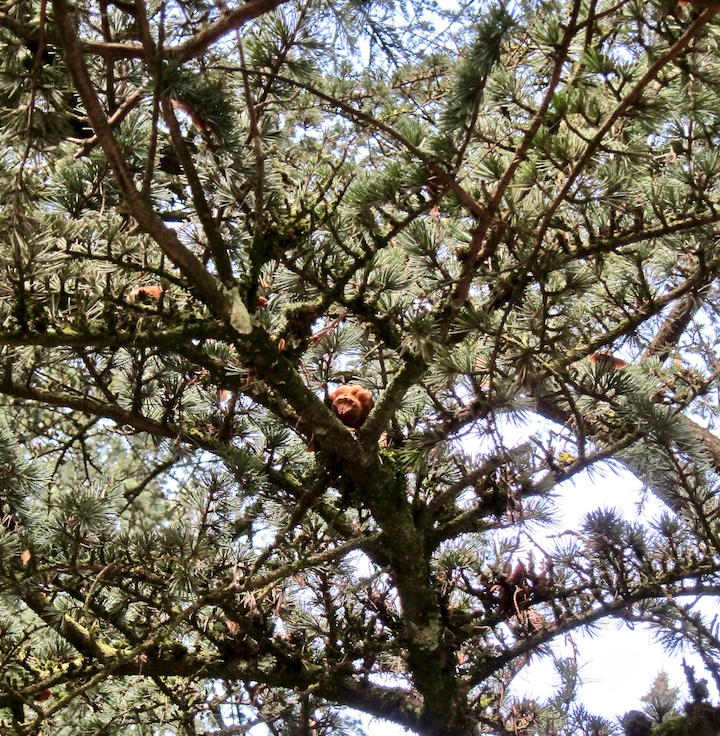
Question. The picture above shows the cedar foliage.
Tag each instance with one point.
(214, 216)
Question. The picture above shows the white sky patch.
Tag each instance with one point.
(618, 663)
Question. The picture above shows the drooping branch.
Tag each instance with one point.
(549, 407)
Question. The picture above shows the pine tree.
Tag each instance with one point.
(216, 216)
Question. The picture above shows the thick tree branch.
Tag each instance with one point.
(163, 339)
(230, 20)
(69, 629)
(673, 327)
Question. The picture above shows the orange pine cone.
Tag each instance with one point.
(351, 405)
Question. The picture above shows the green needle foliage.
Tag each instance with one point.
(213, 216)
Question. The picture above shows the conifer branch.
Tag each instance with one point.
(127, 105)
(644, 313)
(481, 246)
(207, 285)
(355, 115)
(153, 56)
(73, 632)
(627, 103)
(229, 21)
(166, 339)
(122, 417)
(620, 607)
